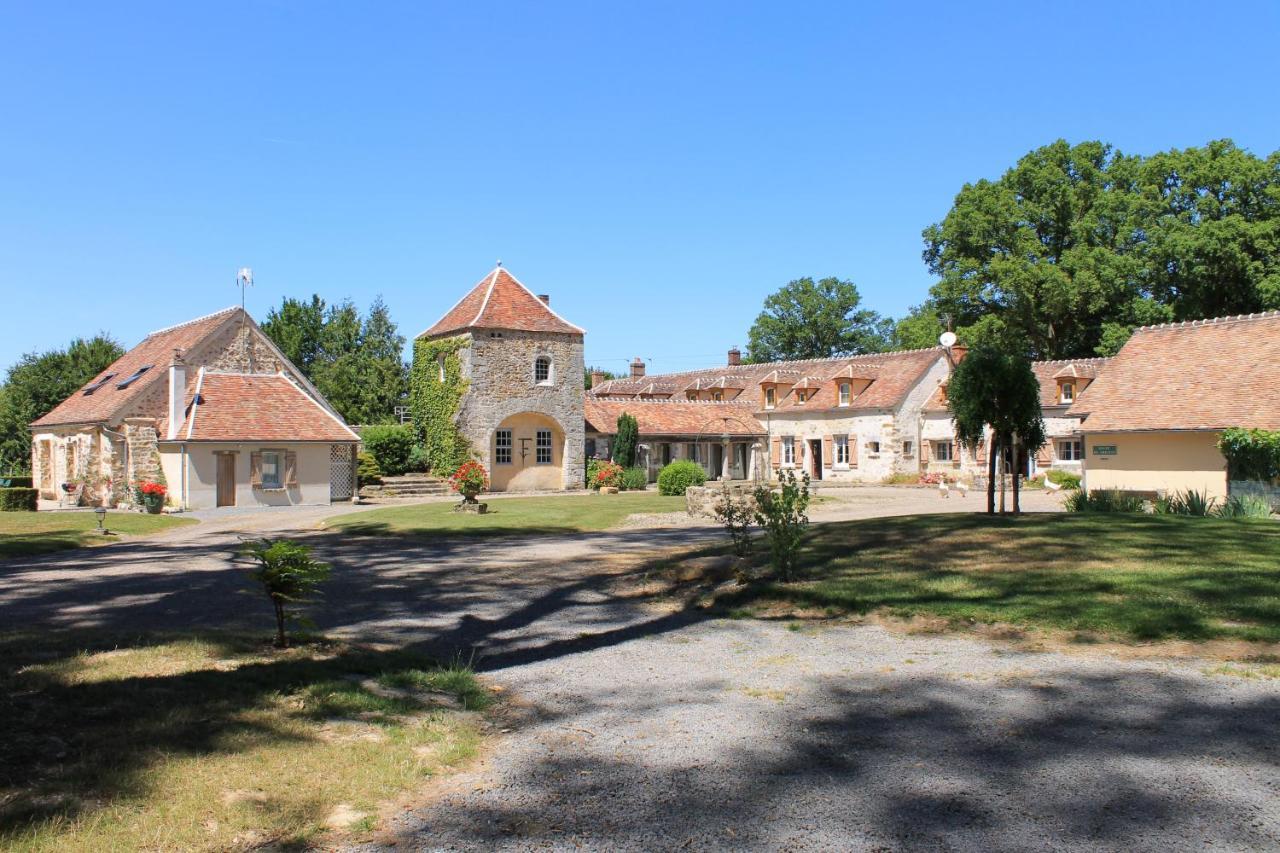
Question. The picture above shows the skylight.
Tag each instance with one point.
(96, 385)
(125, 383)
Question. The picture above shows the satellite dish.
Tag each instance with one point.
(947, 339)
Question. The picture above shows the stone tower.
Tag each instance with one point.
(522, 365)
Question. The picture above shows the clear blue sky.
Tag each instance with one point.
(657, 167)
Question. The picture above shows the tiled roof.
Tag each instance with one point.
(893, 374)
(1199, 375)
(156, 350)
(1049, 372)
(673, 417)
(257, 407)
(500, 301)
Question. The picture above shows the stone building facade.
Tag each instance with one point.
(522, 367)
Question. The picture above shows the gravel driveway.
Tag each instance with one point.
(650, 728)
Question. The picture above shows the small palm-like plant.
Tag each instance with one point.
(289, 575)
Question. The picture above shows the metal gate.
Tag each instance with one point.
(342, 472)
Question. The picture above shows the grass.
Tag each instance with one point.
(1127, 577)
(552, 514)
(23, 534)
(216, 743)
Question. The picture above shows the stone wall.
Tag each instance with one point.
(144, 456)
(702, 500)
(500, 372)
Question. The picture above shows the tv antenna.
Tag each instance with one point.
(244, 279)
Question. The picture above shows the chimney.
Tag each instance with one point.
(545, 297)
(735, 356)
(177, 393)
(597, 379)
(637, 368)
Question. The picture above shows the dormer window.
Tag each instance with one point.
(542, 370)
(718, 396)
(846, 393)
(801, 396)
(770, 398)
(1068, 392)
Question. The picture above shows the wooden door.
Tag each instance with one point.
(226, 479)
(815, 459)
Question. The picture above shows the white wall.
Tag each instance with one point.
(201, 489)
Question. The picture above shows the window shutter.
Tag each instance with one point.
(1043, 457)
(980, 455)
(255, 469)
(777, 452)
(290, 468)
(853, 451)
(828, 452)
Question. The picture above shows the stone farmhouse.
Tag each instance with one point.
(1151, 421)
(211, 408)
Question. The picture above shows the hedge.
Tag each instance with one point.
(16, 483)
(680, 475)
(1251, 454)
(20, 499)
(391, 445)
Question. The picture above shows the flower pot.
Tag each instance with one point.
(153, 505)
(469, 496)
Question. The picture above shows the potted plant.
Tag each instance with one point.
(469, 480)
(153, 496)
(608, 478)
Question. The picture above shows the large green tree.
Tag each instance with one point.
(996, 389)
(1073, 247)
(808, 319)
(40, 381)
(356, 362)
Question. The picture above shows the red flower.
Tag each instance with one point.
(470, 477)
(157, 489)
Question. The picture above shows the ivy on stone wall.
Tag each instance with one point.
(1252, 454)
(434, 404)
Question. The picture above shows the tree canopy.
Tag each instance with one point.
(808, 319)
(356, 362)
(40, 381)
(1073, 247)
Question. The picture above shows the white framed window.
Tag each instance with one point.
(1068, 392)
(542, 447)
(770, 398)
(788, 450)
(542, 370)
(842, 449)
(271, 469)
(1070, 451)
(801, 396)
(908, 448)
(873, 447)
(943, 451)
(502, 447)
(846, 393)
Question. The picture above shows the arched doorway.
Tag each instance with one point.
(526, 453)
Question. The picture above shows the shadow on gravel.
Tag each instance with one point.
(1141, 761)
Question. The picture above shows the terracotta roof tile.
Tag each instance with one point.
(1199, 375)
(257, 407)
(500, 301)
(104, 403)
(673, 417)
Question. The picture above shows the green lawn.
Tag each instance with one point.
(26, 533)
(551, 514)
(1124, 576)
(218, 742)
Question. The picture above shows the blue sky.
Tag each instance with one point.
(659, 168)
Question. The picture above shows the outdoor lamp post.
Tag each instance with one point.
(101, 513)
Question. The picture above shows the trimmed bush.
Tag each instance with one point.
(635, 479)
(16, 483)
(391, 445)
(679, 476)
(367, 471)
(21, 499)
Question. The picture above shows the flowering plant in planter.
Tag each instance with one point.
(608, 475)
(469, 480)
(152, 495)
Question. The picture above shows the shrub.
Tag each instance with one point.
(391, 445)
(1103, 500)
(19, 499)
(625, 440)
(736, 515)
(1246, 506)
(418, 461)
(783, 514)
(289, 575)
(635, 479)
(1066, 479)
(16, 482)
(593, 468)
(675, 478)
(1251, 454)
(1190, 503)
(608, 475)
(367, 471)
